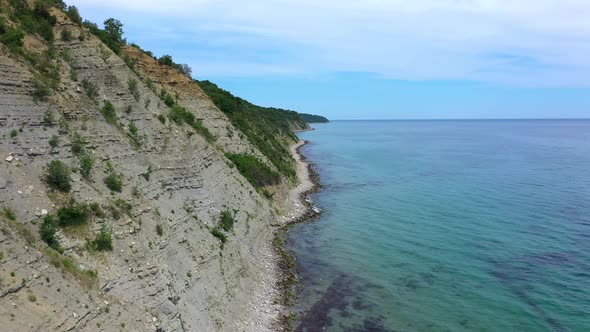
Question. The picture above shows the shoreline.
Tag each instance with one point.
(302, 210)
(269, 305)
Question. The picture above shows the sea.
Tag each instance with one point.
(458, 225)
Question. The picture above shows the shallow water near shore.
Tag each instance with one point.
(447, 226)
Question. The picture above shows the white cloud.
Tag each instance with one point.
(524, 42)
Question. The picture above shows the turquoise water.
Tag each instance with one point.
(447, 226)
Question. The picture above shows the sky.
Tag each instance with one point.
(376, 59)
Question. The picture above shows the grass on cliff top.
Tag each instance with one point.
(269, 129)
(254, 170)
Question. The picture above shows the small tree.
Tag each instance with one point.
(54, 142)
(103, 240)
(48, 230)
(57, 176)
(77, 144)
(86, 164)
(186, 69)
(74, 15)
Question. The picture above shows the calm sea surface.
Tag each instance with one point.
(447, 226)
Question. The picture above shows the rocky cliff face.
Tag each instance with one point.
(166, 270)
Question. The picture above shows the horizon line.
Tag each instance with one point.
(459, 119)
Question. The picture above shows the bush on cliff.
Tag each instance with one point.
(57, 176)
(255, 171)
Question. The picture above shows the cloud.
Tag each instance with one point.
(525, 42)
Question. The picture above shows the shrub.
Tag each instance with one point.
(203, 131)
(86, 163)
(54, 142)
(104, 53)
(9, 213)
(45, 30)
(48, 118)
(133, 129)
(133, 88)
(168, 100)
(40, 89)
(123, 205)
(13, 133)
(48, 230)
(218, 234)
(73, 214)
(114, 182)
(159, 230)
(77, 144)
(66, 34)
(57, 176)
(255, 171)
(13, 39)
(180, 114)
(90, 88)
(103, 241)
(162, 118)
(108, 111)
(227, 221)
(96, 210)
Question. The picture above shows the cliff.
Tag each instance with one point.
(127, 197)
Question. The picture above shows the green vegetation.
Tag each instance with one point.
(219, 234)
(269, 129)
(96, 210)
(86, 163)
(114, 182)
(48, 230)
(13, 133)
(255, 171)
(73, 214)
(57, 176)
(123, 205)
(36, 20)
(312, 118)
(40, 89)
(9, 213)
(133, 88)
(87, 278)
(54, 142)
(108, 111)
(74, 15)
(227, 220)
(48, 118)
(90, 88)
(66, 34)
(11, 37)
(134, 133)
(103, 241)
(111, 35)
(159, 230)
(180, 115)
(167, 99)
(77, 144)
(182, 68)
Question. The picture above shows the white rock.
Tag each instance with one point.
(44, 212)
(9, 158)
(75, 315)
